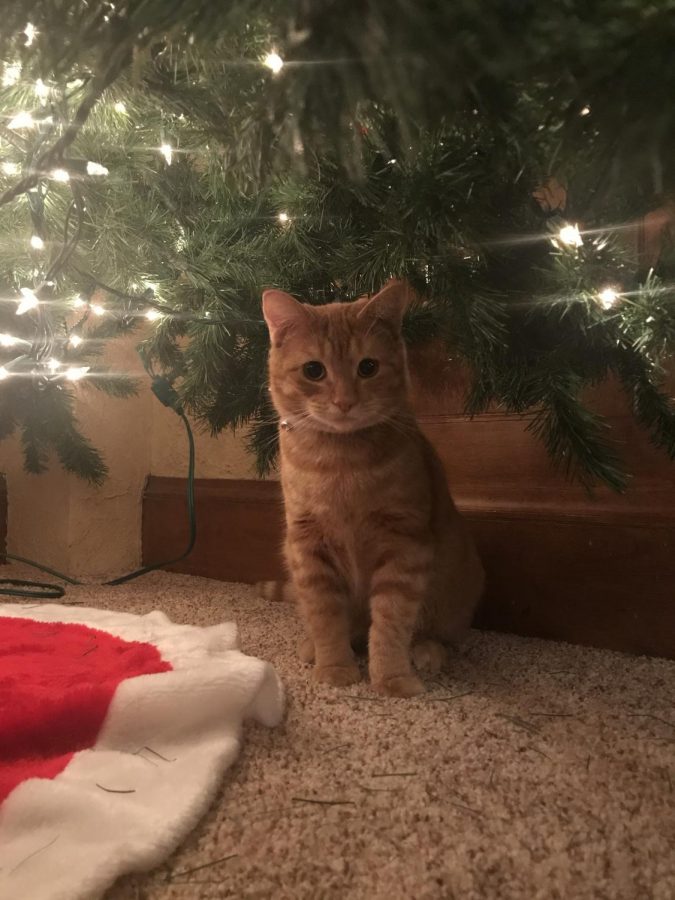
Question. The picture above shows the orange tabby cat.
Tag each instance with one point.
(374, 544)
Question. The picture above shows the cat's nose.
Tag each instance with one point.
(344, 404)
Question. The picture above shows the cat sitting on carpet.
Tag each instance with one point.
(374, 544)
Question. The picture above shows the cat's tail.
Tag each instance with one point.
(275, 591)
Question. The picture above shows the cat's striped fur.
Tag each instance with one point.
(374, 545)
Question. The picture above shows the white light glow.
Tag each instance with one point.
(274, 62)
(120, 108)
(60, 175)
(570, 235)
(10, 168)
(607, 297)
(152, 315)
(30, 301)
(97, 309)
(36, 242)
(7, 340)
(41, 89)
(585, 111)
(74, 340)
(167, 152)
(3, 373)
(284, 218)
(11, 74)
(30, 31)
(53, 365)
(94, 168)
(74, 373)
(79, 302)
(21, 120)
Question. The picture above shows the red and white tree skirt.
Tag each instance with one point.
(115, 731)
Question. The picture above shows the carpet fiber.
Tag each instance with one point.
(532, 770)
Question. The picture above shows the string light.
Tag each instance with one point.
(74, 373)
(30, 31)
(21, 120)
(53, 365)
(36, 242)
(607, 297)
(10, 168)
(60, 175)
(11, 74)
(30, 301)
(570, 235)
(585, 111)
(7, 340)
(41, 89)
(74, 340)
(94, 168)
(3, 373)
(167, 152)
(120, 108)
(284, 218)
(274, 62)
(152, 315)
(97, 309)
(79, 302)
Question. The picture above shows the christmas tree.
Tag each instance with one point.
(167, 161)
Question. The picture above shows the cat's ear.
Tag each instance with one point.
(390, 304)
(282, 312)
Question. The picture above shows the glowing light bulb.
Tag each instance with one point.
(97, 309)
(94, 168)
(30, 31)
(570, 235)
(7, 340)
(167, 152)
(284, 218)
(53, 365)
(36, 242)
(152, 315)
(10, 168)
(60, 175)
(30, 301)
(74, 373)
(79, 302)
(274, 62)
(74, 340)
(41, 89)
(120, 108)
(11, 74)
(585, 111)
(607, 297)
(3, 373)
(21, 120)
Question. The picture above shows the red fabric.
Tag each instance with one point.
(56, 683)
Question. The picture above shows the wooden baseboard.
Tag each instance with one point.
(3, 517)
(604, 579)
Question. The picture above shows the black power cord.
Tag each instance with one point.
(44, 590)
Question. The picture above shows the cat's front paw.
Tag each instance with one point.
(339, 676)
(400, 686)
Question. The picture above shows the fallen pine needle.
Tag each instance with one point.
(393, 774)
(34, 853)
(207, 865)
(116, 790)
(323, 802)
(520, 723)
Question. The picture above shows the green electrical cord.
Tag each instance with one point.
(43, 590)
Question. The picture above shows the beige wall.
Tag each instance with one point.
(95, 532)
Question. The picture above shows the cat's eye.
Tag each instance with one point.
(368, 367)
(314, 370)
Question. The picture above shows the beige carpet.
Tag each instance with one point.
(532, 770)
